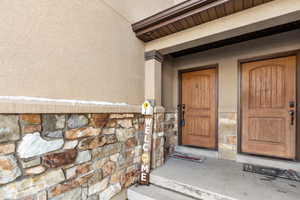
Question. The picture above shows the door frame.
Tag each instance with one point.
(239, 110)
(193, 69)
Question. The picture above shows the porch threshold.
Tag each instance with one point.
(268, 162)
(221, 179)
(197, 151)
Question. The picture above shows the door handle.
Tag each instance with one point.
(292, 115)
(181, 108)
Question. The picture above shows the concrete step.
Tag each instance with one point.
(186, 189)
(153, 192)
(221, 180)
(197, 151)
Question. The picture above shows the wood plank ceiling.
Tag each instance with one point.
(188, 14)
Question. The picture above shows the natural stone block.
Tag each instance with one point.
(124, 134)
(227, 123)
(99, 120)
(31, 128)
(74, 194)
(9, 169)
(31, 185)
(108, 168)
(125, 123)
(83, 156)
(92, 143)
(53, 122)
(111, 191)
(227, 154)
(59, 159)
(121, 116)
(31, 163)
(98, 187)
(71, 144)
(35, 170)
(96, 177)
(98, 164)
(106, 150)
(84, 192)
(82, 132)
(110, 139)
(111, 123)
(7, 148)
(31, 197)
(78, 170)
(108, 131)
(41, 195)
(61, 189)
(118, 177)
(130, 178)
(53, 134)
(77, 121)
(115, 157)
(232, 140)
(30, 119)
(93, 197)
(38, 145)
(9, 128)
(131, 142)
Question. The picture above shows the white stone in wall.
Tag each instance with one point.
(98, 187)
(9, 128)
(31, 185)
(84, 193)
(109, 131)
(115, 157)
(33, 145)
(41, 195)
(31, 163)
(77, 121)
(124, 134)
(71, 144)
(111, 191)
(125, 123)
(70, 195)
(9, 169)
(35, 170)
(83, 156)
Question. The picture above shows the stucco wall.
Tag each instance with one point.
(135, 10)
(72, 49)
(227, 58)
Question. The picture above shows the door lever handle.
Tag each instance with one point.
(292, 115)
(183, 113)
(181, 109)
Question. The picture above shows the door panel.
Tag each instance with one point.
(199, 97)
(267, 89)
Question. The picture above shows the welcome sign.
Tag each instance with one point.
(147, 110)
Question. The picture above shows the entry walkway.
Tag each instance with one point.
(212, 180)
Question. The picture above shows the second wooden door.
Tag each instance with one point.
(269, 107)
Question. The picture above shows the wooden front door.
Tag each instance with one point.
(199, 98)
(268, 102)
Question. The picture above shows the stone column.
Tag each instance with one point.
(153, 79)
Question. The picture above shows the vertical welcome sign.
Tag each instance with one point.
(147, 111)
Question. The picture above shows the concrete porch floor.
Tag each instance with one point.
(221, 179)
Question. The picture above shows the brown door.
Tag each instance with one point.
(268, 98)
(199, 98)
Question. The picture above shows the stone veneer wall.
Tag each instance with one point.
(228, 135)
(171, 131)
(73, 156)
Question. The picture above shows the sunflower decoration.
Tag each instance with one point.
(146, 105)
